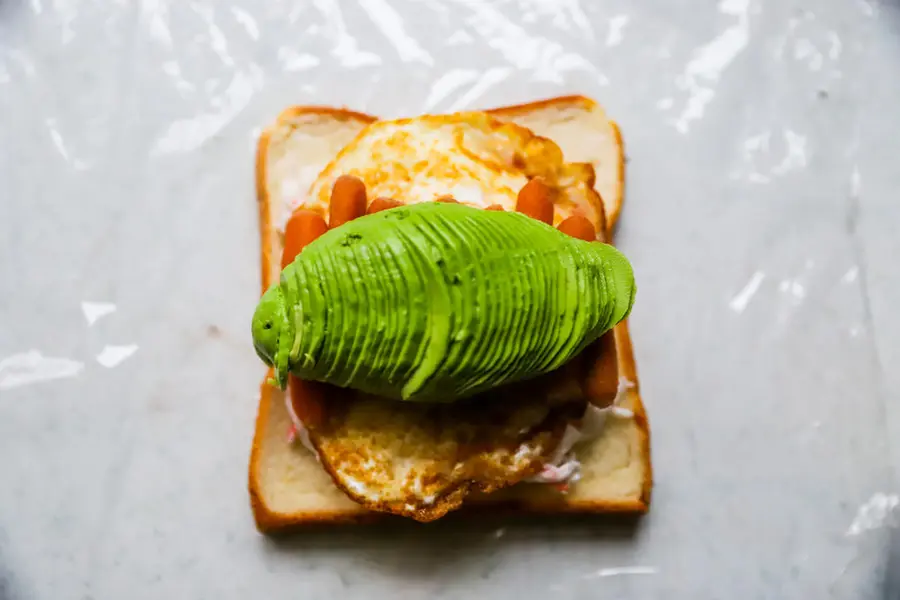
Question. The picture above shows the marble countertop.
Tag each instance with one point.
(761, 215)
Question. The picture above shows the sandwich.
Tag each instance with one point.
(444, 318)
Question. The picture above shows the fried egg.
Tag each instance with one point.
(475, 158)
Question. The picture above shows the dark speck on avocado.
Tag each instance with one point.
(350, 239)
(397, 213)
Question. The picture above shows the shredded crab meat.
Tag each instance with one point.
(565, 473)
(564, 469)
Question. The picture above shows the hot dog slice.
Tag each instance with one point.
(535, 199)
(579, 227)
(379, 204)
(602, 378)
(348, 200)
(303, 227)
(307, 400)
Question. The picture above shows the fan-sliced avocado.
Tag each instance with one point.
(436, 302)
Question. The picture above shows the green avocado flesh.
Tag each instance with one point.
(435, 302)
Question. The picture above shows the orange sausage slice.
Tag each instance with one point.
(579, 227)
(381, 203)
(303, 227)
(348, 200)
(535, 200)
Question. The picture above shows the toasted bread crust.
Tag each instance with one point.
(269, 520)
(611, 220)
(628, 369)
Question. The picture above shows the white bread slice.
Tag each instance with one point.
(287, 485)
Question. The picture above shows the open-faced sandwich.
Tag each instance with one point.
(446, 317)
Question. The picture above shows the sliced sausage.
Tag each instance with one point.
(602, 379)
(579, 227)
(535, 199)
(381, 203)
(307, 400)
(303, 227)
(348, 200)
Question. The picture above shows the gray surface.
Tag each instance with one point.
(126, 176)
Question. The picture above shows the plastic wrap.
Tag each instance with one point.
(759, 214)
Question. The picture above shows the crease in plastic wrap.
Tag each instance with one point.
(130, 262)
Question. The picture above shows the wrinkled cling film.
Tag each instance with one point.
(128, 261)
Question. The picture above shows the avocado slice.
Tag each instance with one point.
(391, 286)
(432, 353)
(436, 302)
(448, 251)
(370, 327)
(491, 313)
